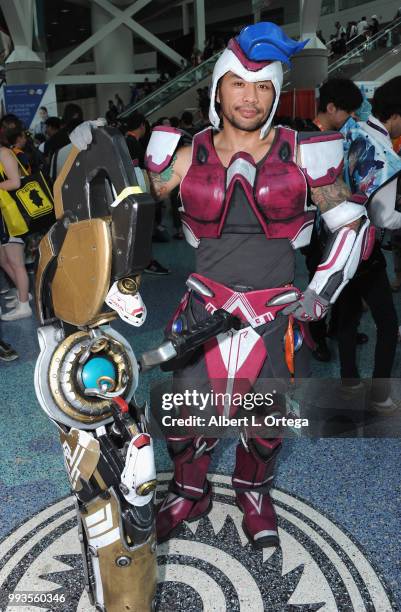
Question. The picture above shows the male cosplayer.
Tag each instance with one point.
(244, 191)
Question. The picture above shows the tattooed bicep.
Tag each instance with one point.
(330, 196)
(164, 181)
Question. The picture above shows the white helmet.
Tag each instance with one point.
(255, 55)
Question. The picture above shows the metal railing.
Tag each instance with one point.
(366, 46)
(362, 51)
(173, 88)
(348, 42)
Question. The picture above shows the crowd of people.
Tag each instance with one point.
(47, 147)
(353, 34)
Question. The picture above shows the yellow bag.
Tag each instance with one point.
(15, 222)
(30, 207)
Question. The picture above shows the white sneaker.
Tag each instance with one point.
(13, 300)
(389, 406)
(21, 311)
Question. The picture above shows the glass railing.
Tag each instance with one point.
(362, 55)
(171, 90)
(367, 52)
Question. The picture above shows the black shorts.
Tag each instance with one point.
(5, 237)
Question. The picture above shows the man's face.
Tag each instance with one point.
(336, 116)
(246, 106)
(42, 114)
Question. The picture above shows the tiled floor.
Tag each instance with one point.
(353, 482)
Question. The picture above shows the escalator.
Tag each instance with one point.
(372, 59)
(177, 94)
(375, 59)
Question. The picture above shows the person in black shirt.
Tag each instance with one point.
(370, 282)
(53, 126)
(135, 132)
(72, 117)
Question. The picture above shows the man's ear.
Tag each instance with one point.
(331, 108)
(218, 95)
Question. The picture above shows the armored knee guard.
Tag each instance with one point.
(86, 374)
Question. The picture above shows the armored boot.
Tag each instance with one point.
(190, 494)
(252, 480)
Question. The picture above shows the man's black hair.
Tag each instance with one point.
(187, 118)
(10, 119)
(72, 115)
(174, 122)
(135, 121)
(387, 99)
(53, 122)
(343, 93)
(43, 108)
(13, 134)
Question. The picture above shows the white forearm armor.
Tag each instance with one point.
(321, 158)
(344, 252)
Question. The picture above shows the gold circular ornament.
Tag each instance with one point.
(64, 377)
(128, 285)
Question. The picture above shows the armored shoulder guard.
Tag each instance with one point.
(321, 157)
(160, 150)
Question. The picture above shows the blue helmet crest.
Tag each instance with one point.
(266, 41)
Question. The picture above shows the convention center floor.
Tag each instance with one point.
(338, 500)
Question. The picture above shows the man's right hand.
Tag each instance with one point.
(81, 136)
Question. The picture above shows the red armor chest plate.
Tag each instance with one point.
(276, 188)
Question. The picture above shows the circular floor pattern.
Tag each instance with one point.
(209, 565)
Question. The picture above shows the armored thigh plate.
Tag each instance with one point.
(86, 373)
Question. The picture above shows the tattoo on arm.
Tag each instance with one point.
(159, 180)
(330, 196)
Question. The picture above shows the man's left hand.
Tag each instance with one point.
(310, 307)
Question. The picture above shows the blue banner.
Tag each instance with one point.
(24, 101)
